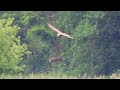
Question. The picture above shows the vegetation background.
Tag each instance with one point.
(26, 43)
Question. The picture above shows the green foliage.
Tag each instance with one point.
(90, 52)
(33, 31)
(11, 51)
(94, 51)
(85, 28)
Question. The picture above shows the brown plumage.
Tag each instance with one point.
(55, 59)
(59, 32)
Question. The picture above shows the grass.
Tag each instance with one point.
(55, 76)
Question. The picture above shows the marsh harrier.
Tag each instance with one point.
(59, 32)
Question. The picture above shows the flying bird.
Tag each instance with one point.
(59, 32)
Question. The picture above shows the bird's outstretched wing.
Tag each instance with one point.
(53, 28)
(58, 31)
(66, 35)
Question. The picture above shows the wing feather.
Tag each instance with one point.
(66, 35)
(55, 29)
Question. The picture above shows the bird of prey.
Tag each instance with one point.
(59, 32)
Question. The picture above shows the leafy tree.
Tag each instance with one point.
(11, 51)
